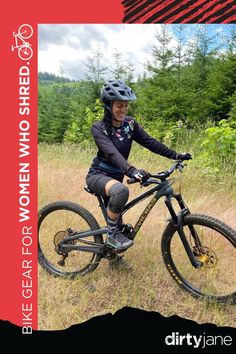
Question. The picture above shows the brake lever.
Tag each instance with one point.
(180, 166)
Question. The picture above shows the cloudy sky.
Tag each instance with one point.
(64, 48)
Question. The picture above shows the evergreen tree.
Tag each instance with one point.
(162, 54)
(95, 71)
(121, 70)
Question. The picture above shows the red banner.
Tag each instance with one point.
(18, 47)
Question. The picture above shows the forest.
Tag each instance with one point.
(185, 97)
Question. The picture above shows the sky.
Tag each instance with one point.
(63, 49)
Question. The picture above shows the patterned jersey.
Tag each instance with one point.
(113, 152)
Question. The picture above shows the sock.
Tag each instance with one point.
(111, 224)
(120, 222)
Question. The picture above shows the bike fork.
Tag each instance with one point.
(178, 222)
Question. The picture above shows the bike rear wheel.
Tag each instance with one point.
(215, 280)
(54, 221)
(25, 52)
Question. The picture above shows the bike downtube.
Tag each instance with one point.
(144, 214)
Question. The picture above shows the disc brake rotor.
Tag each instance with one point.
(206, 256)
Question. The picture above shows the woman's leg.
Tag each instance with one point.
(118, 195)
(110, 213)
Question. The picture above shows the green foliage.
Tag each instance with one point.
(221, 85)
(219, 146)
(80, 131)
(47, 78)
(232, 113)
(186, 98)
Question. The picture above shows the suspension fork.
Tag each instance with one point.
(178, 222)
(194, 234)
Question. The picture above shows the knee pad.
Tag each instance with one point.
(119, 195)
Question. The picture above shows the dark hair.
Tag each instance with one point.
(107, 119)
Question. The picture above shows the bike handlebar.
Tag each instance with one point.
(178, 165)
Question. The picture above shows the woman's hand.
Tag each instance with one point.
(138, 174)
(184, 156)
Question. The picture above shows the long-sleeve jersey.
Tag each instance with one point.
(113, 152)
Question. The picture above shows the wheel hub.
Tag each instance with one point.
(206, 256)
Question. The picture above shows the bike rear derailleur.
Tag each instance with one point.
(59, 236)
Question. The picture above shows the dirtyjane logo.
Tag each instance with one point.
(25, 52)
(200, 341)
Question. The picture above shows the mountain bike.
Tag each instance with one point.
(25, 51)
(198, 250)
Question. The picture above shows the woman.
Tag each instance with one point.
(113, 136)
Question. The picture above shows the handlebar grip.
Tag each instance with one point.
(132, 180)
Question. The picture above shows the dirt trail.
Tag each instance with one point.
(229, 216)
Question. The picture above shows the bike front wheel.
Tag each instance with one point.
(215, 280)
(25, 31)
(54, 223)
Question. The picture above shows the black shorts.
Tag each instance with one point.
(97, 182)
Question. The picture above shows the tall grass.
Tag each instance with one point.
(148, 286)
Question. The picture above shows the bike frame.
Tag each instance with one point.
(162, 189)
(23, 44)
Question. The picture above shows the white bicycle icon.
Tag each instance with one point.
(25, 51)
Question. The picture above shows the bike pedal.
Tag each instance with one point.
(128, 231)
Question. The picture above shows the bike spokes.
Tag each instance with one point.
(213, 276)
(215, 249)
(56, 253)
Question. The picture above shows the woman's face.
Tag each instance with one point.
(120, 109)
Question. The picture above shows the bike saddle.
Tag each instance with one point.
(86, 188)
(105, 199)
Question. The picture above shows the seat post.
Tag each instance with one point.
(103, 201)
(102, 206)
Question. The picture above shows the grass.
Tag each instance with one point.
(148, 286)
